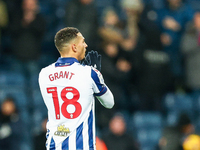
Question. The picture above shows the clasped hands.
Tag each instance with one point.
(93, 59)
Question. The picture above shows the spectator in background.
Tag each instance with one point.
(152, 67)
(117, 60)
(117, 69)
(122, 32)
(112, 28)
(3, 24)
(4, 17)
(117, 137)
(190, 47)
(149, 28)
(27, 32)
(82, 14)
(113, 77)
(132, 9)
(173, 136)
(40, 139)
(14, 9)
(173, 19)
(10, 126)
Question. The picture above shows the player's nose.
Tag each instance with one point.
(86, 45)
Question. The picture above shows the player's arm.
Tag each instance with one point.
(101, 91)
(107, 99)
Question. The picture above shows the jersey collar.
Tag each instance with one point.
(61, 62)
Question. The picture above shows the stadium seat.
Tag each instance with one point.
(178, 102)
(149, 138)
(34, 81)
(17, 93)
(175, 104)
(45, 7)
(103, 3)
(197, 125)
(147, 119)
(11, 79)
(37, 98)
(196, 101)
(39, 109)
(38, 117)
(48, 10)
(26, 141)
(147, 128)
(171, 118)
(62, 3)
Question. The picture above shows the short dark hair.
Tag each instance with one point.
(65, 35)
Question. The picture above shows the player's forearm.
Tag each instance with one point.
(107, 99)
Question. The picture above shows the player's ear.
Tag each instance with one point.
(74, 47)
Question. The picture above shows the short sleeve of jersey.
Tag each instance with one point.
(99, 86)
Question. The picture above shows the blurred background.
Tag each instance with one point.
(150, 60)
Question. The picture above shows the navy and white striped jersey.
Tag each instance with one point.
(68, 90)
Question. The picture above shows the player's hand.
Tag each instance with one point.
(93, 59)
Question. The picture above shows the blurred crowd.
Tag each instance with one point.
(150, 60)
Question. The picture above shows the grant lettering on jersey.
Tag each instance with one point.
(61, 74)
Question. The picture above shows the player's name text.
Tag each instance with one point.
(62, 74)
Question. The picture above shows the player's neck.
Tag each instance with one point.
(68, 56)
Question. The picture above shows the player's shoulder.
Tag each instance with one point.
(95, 71)
(47, 68)
(90, 70)
(85, 67)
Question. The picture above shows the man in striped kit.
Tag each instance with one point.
(68, 89)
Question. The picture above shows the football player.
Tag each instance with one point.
(69, 89)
